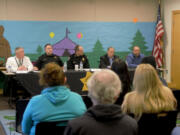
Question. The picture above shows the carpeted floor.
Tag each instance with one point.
(4, 103)
(2, 131)
(7, 119)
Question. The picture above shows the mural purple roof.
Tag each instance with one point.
(65, 44)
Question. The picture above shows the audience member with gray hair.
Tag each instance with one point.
(104, 117)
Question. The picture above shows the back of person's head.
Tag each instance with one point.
(104, 87)
(146, 78)
(149, 60)
(150, 96)
(52, 75)
(120, 67)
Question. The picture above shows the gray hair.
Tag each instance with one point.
(109, 48)
(17, 48)
(104, 86)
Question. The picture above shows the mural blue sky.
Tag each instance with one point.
(30, 34)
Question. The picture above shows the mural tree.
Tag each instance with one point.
(39, 49)
(98, 51)
(98, 48)
(139, 40)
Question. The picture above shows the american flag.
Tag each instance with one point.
(157, 49)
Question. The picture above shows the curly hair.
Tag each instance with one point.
(52, 75)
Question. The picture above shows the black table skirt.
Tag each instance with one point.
(30, 81)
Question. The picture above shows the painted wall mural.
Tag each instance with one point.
(95, 37)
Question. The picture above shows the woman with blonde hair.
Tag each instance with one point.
(149, 95)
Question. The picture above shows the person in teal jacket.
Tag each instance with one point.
(55, 103)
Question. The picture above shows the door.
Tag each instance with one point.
(175, 55)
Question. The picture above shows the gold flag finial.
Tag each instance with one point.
(159, 1)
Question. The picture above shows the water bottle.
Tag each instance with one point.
(81, 66)
(9, 69)
(65, 66)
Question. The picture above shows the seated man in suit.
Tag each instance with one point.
(47, 58)
(134, 58)
(19, 62)
(78, 57)
(107, 60)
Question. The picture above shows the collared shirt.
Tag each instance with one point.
(14, 63)
(111, 61)
(134, 61)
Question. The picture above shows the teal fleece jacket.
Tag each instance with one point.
(53, 104)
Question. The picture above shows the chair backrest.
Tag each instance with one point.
(87, 101)
(20, 108)
(51, 128)
(157, 124)
(177, 96)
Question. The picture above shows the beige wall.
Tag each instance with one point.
(78, 10)
(168, 7)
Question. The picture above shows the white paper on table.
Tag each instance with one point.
(36, 71)
(95, 69)
(21, 72)
(87, 69)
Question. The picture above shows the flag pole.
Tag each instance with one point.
(162, 46)
(159, 1)
(161, 42)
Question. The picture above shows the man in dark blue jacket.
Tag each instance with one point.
(107, 60)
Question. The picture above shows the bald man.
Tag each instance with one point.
(135, 58)
(78, 57)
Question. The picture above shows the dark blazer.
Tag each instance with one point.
(104, 61)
